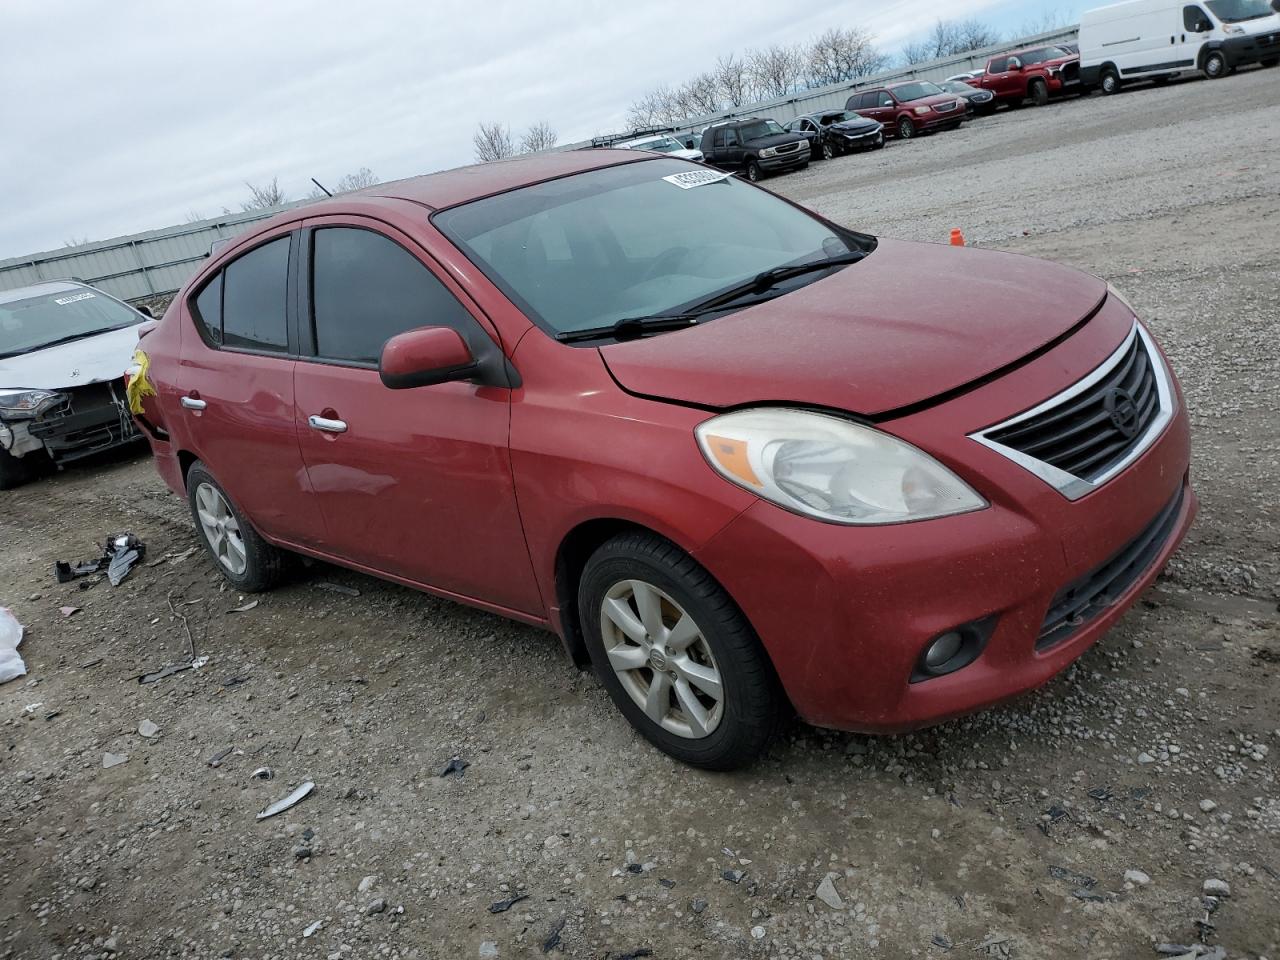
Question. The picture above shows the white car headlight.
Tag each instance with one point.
(769, 152)
(23, 404)
(921, 111)
(832, 469)
(1233, 30)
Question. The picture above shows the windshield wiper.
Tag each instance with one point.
(763, 282)
(632, 328)
(61, 340)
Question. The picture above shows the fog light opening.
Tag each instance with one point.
(952, 651)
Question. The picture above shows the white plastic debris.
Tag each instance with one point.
(11, 665)
(280, 806)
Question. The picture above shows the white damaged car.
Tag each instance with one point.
(64, 348)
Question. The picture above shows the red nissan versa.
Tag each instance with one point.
(758, 463)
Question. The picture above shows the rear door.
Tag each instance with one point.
(236, 390)
(416, 484)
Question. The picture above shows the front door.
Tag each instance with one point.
(1194, 32)
(237, 402)
(415, 483)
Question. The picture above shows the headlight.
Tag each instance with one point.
(769, 152)
(23, 404)
(832, 469)
(921, 111)
(1233, 30)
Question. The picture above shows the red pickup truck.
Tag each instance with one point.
(1035, 74)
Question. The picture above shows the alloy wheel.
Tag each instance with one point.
(221, 529)
(662, 659)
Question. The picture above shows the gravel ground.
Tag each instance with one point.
(1087, 820)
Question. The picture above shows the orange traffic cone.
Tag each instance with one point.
(957, 238)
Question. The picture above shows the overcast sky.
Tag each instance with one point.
(119, 116)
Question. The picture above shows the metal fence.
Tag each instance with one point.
(154, 265)
(138, 268)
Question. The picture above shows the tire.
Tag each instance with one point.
(1271, 62)
(248, 562)
(828, 152)
(754, 173)
(1215, 65)
(906, 128)
(1109, 82)
(715, 734)
(1039, 93)
(15, 471)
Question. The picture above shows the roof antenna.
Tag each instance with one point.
(321, 186)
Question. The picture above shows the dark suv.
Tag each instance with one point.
(754, 147)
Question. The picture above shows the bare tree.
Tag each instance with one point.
(492, 141)
(950, 38)
(775, 70)
(194, 216)
(264, 195)
(974, 34)
(733, 80)
(364, 177)
(540, 136)
(839, 55)
(657, 108)
(917, 52)
(76, 241)
(1048, 21)
(699, 96)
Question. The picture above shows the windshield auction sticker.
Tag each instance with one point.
(79, 296)
(696, 178)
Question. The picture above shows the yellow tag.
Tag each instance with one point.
(139, 386)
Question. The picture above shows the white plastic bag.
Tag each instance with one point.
(11, 665)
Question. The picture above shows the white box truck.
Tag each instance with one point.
(1158, 39)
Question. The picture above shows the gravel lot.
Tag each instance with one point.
(1082, 822)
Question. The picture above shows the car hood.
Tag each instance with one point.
(101, 357)
(774, 140)
(910, 322)
(857, 126)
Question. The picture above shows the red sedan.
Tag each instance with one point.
(763, 463)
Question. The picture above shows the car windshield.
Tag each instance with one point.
(661, 145)
(1032, 57)
(758, 129)
(1234, 11)
(842, 117)
(35, 322)
(916, 91)
(589, 250)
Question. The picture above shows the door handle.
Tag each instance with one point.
(325, 425)
(192, 403)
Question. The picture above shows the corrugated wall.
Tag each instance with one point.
(155, 264)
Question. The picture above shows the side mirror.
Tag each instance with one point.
(1204, 26)
(146, 312)
(426, 356)
(1015, 64)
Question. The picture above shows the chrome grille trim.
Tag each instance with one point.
(1069, 485)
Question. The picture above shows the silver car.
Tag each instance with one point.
(662, 144)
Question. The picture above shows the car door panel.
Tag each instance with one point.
(418, 484)
(235, 413)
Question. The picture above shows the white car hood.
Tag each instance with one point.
(686, 154)
(93, 359)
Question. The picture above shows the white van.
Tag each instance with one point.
(1159, 39)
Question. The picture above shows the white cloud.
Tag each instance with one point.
(120, 117)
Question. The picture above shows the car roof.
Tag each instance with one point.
(1039, 46)
(45, 286)
(649, 139)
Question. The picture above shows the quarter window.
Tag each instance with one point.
(209, 310)
(366, 288)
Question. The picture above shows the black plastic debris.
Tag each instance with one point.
(553, 937)
(456, 765)
(502, 906)
(733, 876)
(1090, 896)
(121, 552)
(1070, 876)
(941, 942)
(669, 884)
(635, 868)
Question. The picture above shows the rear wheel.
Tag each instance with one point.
(1039, 93)
(754, 173)
(676, 655)
(1110, 82)
(906, 128)
(247, 561)
(1215, 65)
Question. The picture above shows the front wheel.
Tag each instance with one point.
(828, 151)
(1270, 62)
(1039, 93)
(1215, 65)
(15, 471)
(754, 173)
(676, 654)
(248, 562)
(906, 128)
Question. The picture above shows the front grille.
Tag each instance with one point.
(1093, 430)
(788, 148)
(947, 107)
(1088, 597)
(1071, 72)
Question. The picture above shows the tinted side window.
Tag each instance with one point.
(366, 289)
(999, 65)
(719, 141)
(254, 294)
(1193, 16)
(886, 100)
(208, 312)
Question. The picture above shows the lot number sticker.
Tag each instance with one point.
(79, 296)
(696, 178)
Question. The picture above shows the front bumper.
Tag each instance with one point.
(845, 613)
(786, 161)
(1240, 51)
(94, 418)
(934, 119)
(860, 141)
